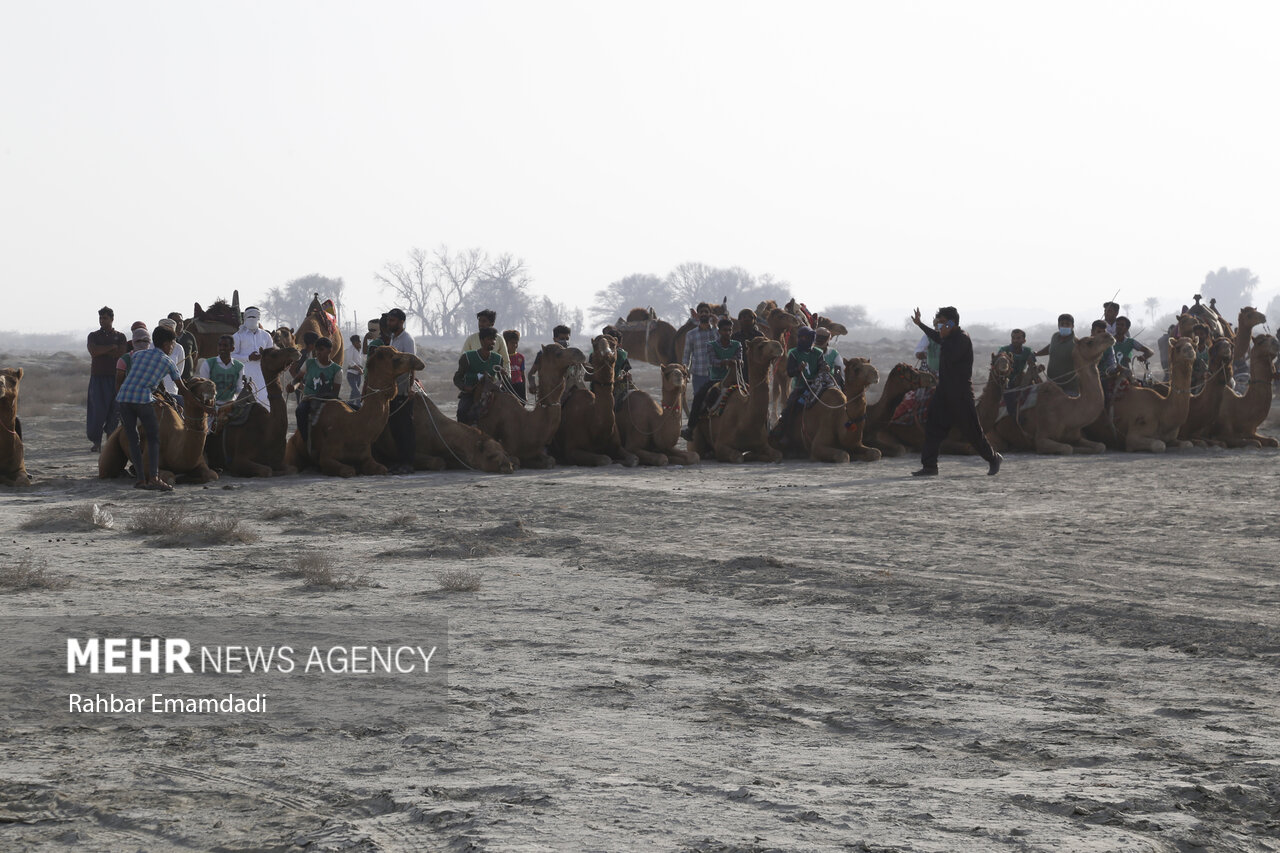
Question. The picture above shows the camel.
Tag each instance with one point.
(859, 375)
(1144, 419)
(740, 433)
(646, 338)
(815, 432)
(588, 433)
(342, 437)
(1202, 413)
(649, 430)
(442, 443)
(1248, 319)
(989, 402)
(1240, 415)
(902, 378)
(321, 322)
(182, 438)
(207, 326)
(250, 440)
(13, 471)
(525, 433)
(1055, 422)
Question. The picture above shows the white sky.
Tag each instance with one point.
(1035, 155)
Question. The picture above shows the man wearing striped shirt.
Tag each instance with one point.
(697, 355)
(147, 368)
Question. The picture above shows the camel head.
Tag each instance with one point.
(1001, 366)
(1221, 351)
(765, 308)
(762, 352)
(9, 379)
(675, 377)
(277, 359)
(1088, 351)
(640, 315)
(202, 389)
(385, 364)
(1186, 322)
(485, 453)
(1183, 350)
(1249, 317)
(904, 377)
(836, 329)
(554, 365)
(283, 337)
(604, 355)
(859, 375)
(1263, 357)
(780, 318)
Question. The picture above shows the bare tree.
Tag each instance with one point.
(639, 290)
(412, 288)
(287, 305)
(433, 285)
(688, 284)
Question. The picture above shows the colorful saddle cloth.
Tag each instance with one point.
(913, 409)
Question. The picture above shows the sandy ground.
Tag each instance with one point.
(1080, 654)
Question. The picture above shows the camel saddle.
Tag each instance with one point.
(914, 408)
(1018, 400)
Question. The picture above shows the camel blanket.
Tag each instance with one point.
(913, 409)
(1018, 400)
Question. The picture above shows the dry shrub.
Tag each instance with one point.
(157, 520)
(460, 580)
(320, 570)
(402, 519)
(81, 517)
(28, 572)
(278, 512)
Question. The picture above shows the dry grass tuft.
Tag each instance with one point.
(173, 527)
(278, 512)
(320, 570)
(81, 517)
(27, 573)
(158, 520)
(402, 519)
(460, 580)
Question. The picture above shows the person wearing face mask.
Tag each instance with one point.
(250, 342)
(559, 335)
(1062, 344)
(952, 401)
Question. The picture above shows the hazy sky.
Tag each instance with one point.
(1032, 155)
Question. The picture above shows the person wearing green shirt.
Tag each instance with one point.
(1021, 354)
(723, 351)
(1126, 346)
(473, 366)
(804, 363)
(321, 379)
(830, 356)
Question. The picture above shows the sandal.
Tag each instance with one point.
(141, 484)
(158, 485)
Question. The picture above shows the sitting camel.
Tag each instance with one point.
(13, 471)
(740, 432)
(249, 441)
(182, 438)
(1202, 413)
(911, 435)
(588, 433)
(1240, 415)
(902, 378)
(859, 375)
(341, 438)
(649, 430)
(525, 433)
(1142, 418)
(1054, 424)
(442, 443)
(814, 433)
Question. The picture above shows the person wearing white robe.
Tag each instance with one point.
(250, 342)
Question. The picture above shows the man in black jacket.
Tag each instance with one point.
(952, 402)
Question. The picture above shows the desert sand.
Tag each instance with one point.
(1079, 654)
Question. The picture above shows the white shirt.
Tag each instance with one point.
(353, 357)
(247, 343)
(178, 357)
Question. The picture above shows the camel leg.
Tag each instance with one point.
(769, 454)
(427, 462)
(1084, 445)
(725, 453)
(887, 445)
(538, 461)
(586, 458)
(865, 454)
(683, 457)
(113, 457)
(202, 473)
(249, 468)
(648, 457)
(823, 453)
(1137, 443)
(1265, 440)
(334, 467)
(1048, 445)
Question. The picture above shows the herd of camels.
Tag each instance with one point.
(576, 419)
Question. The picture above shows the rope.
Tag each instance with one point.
(432, 419)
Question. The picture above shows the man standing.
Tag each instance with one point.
(697, 355)
(354, 364)
(1020, 353)
(186, 340)
(1110, 311)
(473, 366)
(250, 342)
(401, 421)
(952, 401)
(485, 320)
(177, 355)
(105, 346)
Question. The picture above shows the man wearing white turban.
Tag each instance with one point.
(250, 342)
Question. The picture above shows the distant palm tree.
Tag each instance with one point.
(1152, 304)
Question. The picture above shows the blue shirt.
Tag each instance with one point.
(146, 370)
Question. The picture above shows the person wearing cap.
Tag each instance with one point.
(353, 363)
(822, 343)
(106, 345)
(177, 355)
(140, 340)
(321, 379)
(250, 342)
(401, 421)
(473, 366)
(952, 401)
(148, 367)
(487, 319)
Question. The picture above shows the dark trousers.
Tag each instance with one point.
(946, 411)
(466, 402)
(401, 426)
(130, 415)
(303, 414)
(519, 389)
(102, 418)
